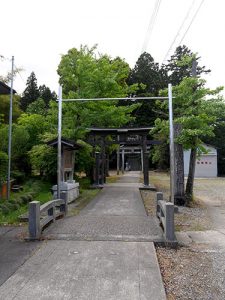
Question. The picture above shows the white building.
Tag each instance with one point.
(206, 163)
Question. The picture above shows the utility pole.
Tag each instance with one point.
(59, 143)
(193, 154)
(10, 131)
(171, 143)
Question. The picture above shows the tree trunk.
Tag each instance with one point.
(191, 176)
(178, 168)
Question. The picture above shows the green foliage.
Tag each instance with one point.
(180, 65)
(31, 93)
(83, 158)
(85, 74)
(20, 144)
(46, 94)
(149, 78)
(3, 166)
(43, 160)
(35, 125)
(193, 109)
(4, 108)
(148, 75)
(37, 107)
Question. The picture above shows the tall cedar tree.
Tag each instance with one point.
(150, 78)
(31, 92)
(179, 71)
(46, 94)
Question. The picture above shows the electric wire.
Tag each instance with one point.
(151, 25)
(181, 27)
(179, 31)
(18, 71)
(192, 20)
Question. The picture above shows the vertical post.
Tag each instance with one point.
(10, 132)
(118, 160)
(145, 165)
(159, 196)
(107, 165)
(171, 143)
(103, 162)
(34, 220)
(123, 161)
(142, 161)
(97, 154)
(169, 222)
(59, 141)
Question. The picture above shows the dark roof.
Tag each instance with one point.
(139, 130)
(5, 89)
(66, 142)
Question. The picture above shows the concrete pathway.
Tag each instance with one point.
(13, 250)
(105, 253)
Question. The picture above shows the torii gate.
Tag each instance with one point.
(171, 136)
(125, 138)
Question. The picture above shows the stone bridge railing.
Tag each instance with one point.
(165, 213)
(42, 215)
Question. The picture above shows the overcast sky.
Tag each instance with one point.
(38, 32)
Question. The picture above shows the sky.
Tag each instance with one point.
(38, 32)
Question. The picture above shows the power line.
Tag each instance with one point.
(179, 31)
(18, 71)
(181, 27)
(151, 25)
(192, 20)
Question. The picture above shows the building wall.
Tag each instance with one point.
(206, 164)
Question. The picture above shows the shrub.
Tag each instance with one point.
(4, 209)
(24, 199)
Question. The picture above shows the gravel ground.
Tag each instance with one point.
(187, 219)
(196, 271)
(192, 273)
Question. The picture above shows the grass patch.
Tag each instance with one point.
(33, 189)
(148, 198)
(112, 179)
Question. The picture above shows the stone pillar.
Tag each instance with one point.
(146, 175)
(142, 161)
(107, 165)
(97, 167)
(103, 162)
(34, 220)
(118, 160)
(122, 161)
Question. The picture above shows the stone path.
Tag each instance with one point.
(105, 253)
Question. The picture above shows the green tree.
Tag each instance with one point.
(4, 108)
(31, 93)
(150, 79)
(197, 115)
(37, 107)
(85, 74)
(178, 70)
(44, 160)
(149, 75)
(35, 125)
(3, 167)
(46, 94)
(20, 144)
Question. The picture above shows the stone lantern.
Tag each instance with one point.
(68, 187)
